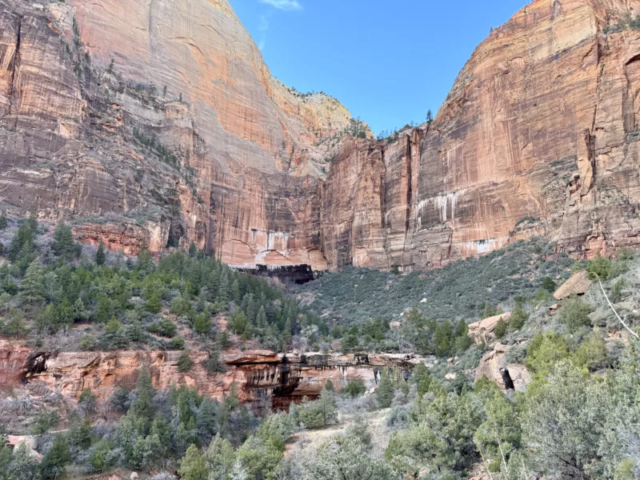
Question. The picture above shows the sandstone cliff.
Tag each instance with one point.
(260, 377)
(159, 122)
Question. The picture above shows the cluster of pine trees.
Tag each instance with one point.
(47, 287)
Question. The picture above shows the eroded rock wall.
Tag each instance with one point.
(259, 377)
(158, 122)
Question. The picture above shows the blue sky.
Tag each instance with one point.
(387, 61)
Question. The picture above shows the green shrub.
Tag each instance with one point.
(354, 388)
(386, 389)
(616, 292)
(54, 462)
(500, 329)
(166, 328)
(599, 267)
(517, 319)
(549, 285)
(544, 352)
(184, 362)
(575, 314)
(44, 421)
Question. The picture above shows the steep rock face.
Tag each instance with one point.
(537, 137)
(157, 122)
(259, 376)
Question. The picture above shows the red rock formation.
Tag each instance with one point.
(258, 375)
(539, 136)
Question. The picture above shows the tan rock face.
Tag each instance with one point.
(158, 122)
(578, 284)
(482, 331)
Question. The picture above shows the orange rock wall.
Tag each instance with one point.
(539, 136)
(258, 376)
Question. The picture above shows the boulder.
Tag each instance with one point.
(578, 284)
(493, 361)
(482, 331)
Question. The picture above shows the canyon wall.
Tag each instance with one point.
(158, 122)
(259, 377)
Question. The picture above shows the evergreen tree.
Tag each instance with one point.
(24, 237)
(145, 260)
(5, 458)
(206, 419)
(32, 287)
(442, 339)
(429, 116)
(225, 290)
(79, 311)
(184, 362)
(54, 462)
(202, 325)
(386, 389)
(143, 406)
(3, 220)
(101, 256)
(220, 459)
(287, 333)
(63, 244)
(193, 250)
(32, 222)
(235, 291)
(192, 466)
(261, 318)
(23, 466)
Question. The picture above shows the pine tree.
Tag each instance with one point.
(54, 462)
(429, 116)
(23, 237)
(23, 466)
(261, 318)
(235, 291)
(79, 310)
(220, 458)
(193, 250)
(206, 420)
(386, 389)
(287, 333)
(101, 256)
(32, 222)
(3, 220)
(32, 287)
(192, 466)
(145, 260)
(224, 291)
(63, 244)
(143, 406)
(202, 325)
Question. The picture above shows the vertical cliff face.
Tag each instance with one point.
(537, 137)
(157, 121)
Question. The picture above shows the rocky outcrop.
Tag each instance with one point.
(494, 363)
(158, 122)
(260, 377)
(482, 331)
(578, 284)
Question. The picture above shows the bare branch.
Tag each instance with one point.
(614, 310)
